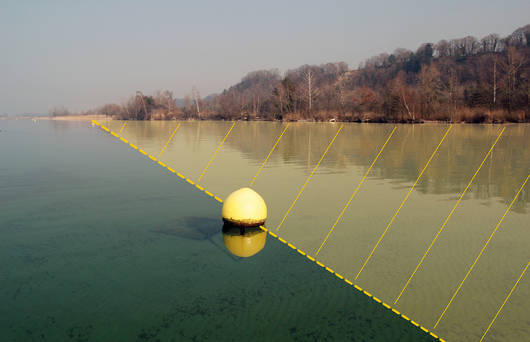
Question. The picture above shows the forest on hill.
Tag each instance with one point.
(460, 80)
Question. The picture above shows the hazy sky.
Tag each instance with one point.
(85, 53)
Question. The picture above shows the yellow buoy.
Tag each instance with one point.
(244, 242)
(244, 207)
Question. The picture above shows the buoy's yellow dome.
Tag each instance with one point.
(244, 207)
(244, 242)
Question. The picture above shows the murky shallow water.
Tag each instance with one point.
(377, 200)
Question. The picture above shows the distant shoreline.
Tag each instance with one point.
(97, 117)
(73, 117)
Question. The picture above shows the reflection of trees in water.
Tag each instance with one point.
(156, 131)
(404, 157)
(408, 151)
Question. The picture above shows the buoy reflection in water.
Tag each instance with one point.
(243, 241)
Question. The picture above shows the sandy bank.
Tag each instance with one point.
(74, 117)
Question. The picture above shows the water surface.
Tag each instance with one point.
(99, 244)
(379, 197)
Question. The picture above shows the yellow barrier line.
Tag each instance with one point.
(218, 148)
(309, 178)
(403, 203)
(122, 127)
(481, 251)
(159, 162)
(448, 217)
(167, 143)
(355, 192)
(507, 297)
(266, 159)
(347, 281)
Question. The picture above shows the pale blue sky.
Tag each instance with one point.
(84, 53)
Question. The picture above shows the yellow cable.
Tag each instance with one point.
(272, 150)
(309, 178)
(167, 143)
(448, 217)
(122, 127)
(509, 294)
(482, 251)
(218, 148)
(355, 192)
(402, 203)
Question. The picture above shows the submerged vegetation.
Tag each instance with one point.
(461, 80)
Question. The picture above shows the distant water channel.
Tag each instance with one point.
(99, 244)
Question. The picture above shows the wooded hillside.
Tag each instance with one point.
(466, 79)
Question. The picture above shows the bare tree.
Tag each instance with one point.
(407, 97)
(309, 80)
(140, 95)
(442, 49)
(196, 98)
(512, 63)
(494, 81)
(452, 87)
(401, 54)
(430, 88)
(490, 43)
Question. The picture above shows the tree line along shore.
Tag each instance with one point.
(460, 80)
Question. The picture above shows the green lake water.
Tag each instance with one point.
(99, 244)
